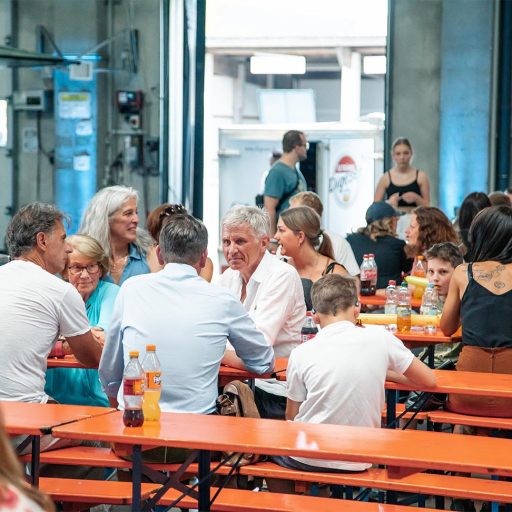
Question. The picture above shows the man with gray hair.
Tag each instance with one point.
(37, 306)
(270, 290)
(188, 320)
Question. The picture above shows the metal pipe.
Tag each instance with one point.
(199, 111)
(504, 92)
(388, 94)
(163, 100)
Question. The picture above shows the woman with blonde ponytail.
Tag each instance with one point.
(310, 249)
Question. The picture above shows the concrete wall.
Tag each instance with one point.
(77, 26)
(415, 80)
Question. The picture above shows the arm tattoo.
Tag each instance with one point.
(499, 284)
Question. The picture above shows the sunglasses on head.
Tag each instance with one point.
(172, 210)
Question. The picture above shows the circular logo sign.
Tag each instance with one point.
(344, 181)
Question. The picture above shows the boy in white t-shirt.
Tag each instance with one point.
(338, 377)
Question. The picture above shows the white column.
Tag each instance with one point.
(350, 104)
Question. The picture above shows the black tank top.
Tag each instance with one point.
(308, 283)
(486, 317)
(410, 187)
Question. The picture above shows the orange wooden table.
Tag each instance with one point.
(401, 450)
(69, 361)
(35, 420)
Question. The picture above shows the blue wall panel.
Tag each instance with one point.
(465, 106)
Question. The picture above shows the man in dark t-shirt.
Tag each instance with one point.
(284, 180)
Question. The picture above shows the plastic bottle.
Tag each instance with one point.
(420, 269)
(391, 298)
(365, 276)
(133, 392)
(403, 309)
(426, 304)
(153, 384)
(373, 273)
(309, 329)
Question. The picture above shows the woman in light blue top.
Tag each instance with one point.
(111, 217)
(87, 264)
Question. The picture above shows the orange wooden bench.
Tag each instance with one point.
(417, 483)
(454, 418)
(229, 500)
(105, 458)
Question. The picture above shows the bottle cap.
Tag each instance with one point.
(392, 282)
(134, 353)
(371, 255)
(150, 348)
(421, 258)
(404, 284)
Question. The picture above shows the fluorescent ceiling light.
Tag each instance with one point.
(374, 65)
(278, 64)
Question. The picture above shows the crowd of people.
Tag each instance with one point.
(114, 287)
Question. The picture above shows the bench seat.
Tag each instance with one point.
(417, 483)
(454, 418)
(229, 500)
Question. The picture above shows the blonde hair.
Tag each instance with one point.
(378, 228)
(12, 474)
(90, 248)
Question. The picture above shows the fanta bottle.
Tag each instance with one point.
(153, 389)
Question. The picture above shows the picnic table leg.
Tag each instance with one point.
(430, 351)
(35, 464)
(136, 477)
(204, 486)
(391, 407)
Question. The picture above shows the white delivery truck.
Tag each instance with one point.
(344, 163)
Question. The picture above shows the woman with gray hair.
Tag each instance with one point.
(301, 238)
(111, 217)
(86, 267)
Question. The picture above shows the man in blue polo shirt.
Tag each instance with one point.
(284, 180)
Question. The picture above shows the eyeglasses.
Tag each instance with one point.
(92, 268)
(171, 210)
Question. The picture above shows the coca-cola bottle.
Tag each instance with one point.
(365, 276)
(373, 273)
(309, 329)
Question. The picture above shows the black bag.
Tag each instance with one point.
(259, 200)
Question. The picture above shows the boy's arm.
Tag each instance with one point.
(417, 375)
(292, 409)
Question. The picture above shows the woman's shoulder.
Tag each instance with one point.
(422, 176)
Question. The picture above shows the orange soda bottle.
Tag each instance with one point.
(153, 388)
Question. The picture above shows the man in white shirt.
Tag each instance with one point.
(269, 289)
(342, 251)
(189, 321)
(338, 378)
(37, 306)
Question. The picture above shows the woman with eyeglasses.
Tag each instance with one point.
(112, 218)
(86, 267)
(157, 219)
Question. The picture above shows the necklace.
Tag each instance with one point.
(118, 265)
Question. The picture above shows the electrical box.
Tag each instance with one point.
(36, 100)
(129, 102)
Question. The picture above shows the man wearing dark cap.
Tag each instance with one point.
(378, 237)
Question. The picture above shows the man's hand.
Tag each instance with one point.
(86, 349)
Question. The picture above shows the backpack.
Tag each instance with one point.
(237, 399)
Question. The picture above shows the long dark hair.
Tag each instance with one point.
(471, 205)
(490, 235)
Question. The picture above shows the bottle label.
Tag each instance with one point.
(403, 311)
(153, 380)
(134, 387)
(307, 336)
